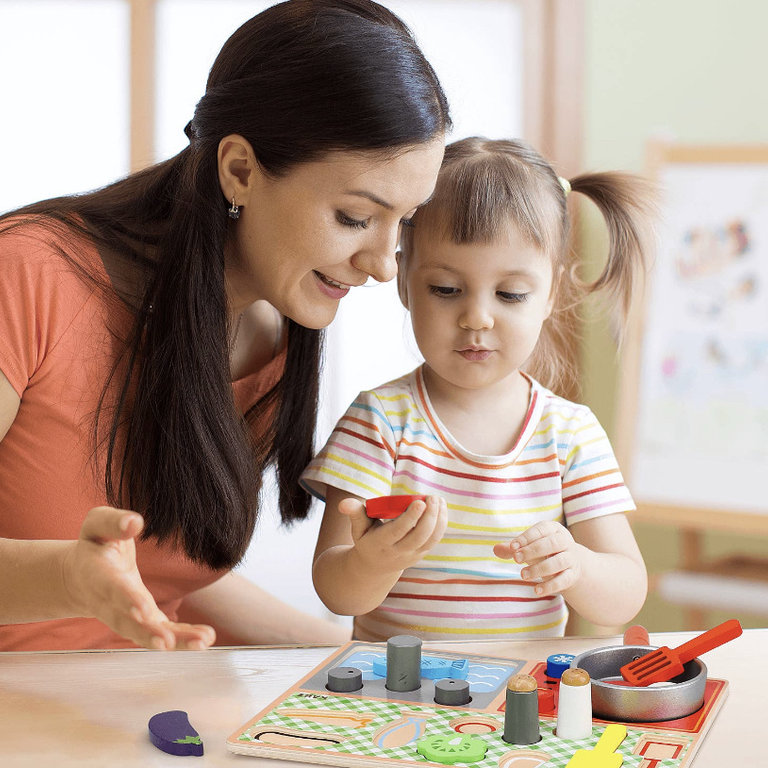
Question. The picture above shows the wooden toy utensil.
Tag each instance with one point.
(604, 754)
(665, 663)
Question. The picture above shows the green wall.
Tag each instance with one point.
(691, 71)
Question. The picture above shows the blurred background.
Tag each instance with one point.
(94, 89)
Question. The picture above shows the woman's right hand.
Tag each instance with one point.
(400, 543)
(101, 578)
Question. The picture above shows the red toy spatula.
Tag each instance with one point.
(665, 663)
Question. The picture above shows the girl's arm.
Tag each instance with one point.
(614, 582)
(244, 614)
(358, 560)
(595, 564)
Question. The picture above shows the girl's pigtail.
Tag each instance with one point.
(628, 205)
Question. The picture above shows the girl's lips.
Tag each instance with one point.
(475, 355)
(330, 288)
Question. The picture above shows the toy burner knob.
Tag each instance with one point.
(451, 692)
(344, 679)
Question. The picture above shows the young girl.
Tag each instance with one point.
(525, 508)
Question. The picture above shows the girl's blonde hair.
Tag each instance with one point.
(485, 184)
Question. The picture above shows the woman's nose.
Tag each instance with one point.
(378, 258)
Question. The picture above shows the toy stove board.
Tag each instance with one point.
(375, 727)
(487, 677)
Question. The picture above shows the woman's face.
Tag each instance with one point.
(305, 238)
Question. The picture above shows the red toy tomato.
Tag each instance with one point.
(389, 507)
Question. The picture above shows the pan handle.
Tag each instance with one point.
(637, 634)
(708, 640)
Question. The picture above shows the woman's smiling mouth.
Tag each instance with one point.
(330, 287)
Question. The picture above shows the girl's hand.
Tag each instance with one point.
(552, 557)
(399, 543)
(100, 575)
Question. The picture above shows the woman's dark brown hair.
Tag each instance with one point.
(301, 79)
(486, 184)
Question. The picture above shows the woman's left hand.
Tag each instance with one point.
(552, 558)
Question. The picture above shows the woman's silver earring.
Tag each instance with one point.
(234, 210)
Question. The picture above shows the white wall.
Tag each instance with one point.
(64, 114)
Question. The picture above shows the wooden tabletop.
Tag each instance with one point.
(91, 708)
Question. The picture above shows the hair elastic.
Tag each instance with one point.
(565, 184)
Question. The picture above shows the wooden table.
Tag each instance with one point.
(91, 708)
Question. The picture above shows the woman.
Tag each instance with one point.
(160, 338)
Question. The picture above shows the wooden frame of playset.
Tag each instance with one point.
(375, 727)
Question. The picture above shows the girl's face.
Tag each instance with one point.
(305, 238)
(477, 309)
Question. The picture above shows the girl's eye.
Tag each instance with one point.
(348, 221)
(512, 298)
(406, 222)
(442, 290)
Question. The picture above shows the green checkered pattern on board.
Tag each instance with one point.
(359, 741)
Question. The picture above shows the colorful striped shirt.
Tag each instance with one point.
(562, 468)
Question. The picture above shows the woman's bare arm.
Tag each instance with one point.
(244, 614)
(94, 576)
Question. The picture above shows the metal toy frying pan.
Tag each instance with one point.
(614, 699)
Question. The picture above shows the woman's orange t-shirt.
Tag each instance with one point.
(56, 351)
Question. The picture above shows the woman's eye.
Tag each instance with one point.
(406, 222)
(512, 298)
(349, 221)
(442, 290)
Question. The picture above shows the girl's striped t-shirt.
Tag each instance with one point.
(562, 468)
